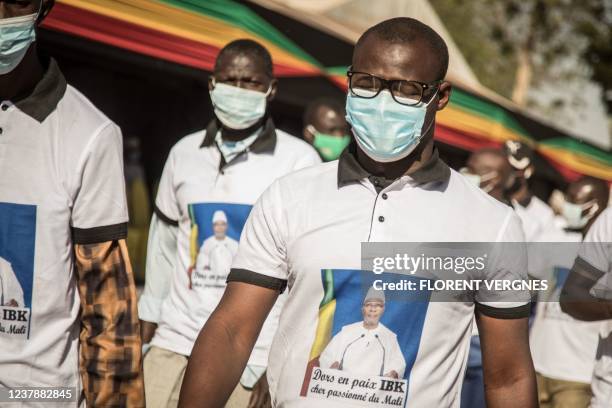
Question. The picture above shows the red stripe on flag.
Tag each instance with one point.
(142, 40)
(462, 139)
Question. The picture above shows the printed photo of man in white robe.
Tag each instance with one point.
(11, 293)
(217, 251)
(366, 347)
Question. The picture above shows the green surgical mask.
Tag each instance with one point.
(330, 147)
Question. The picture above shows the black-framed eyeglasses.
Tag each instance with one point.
(404, 92)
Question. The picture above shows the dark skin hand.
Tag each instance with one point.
(413, 62)
(20, 82)
(326, 120)
(147, 330)
(260, 398)
(485, 162)
(242, 71)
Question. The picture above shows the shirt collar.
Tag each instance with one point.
(46, 95)
(350, 171)
(265, 142)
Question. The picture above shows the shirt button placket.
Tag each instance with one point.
(4, 107)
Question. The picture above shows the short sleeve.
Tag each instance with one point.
(309, 158)
(507, 265)
(99, 211)
(595, 256)
(596, 248)
(261, 258)
(166, 204)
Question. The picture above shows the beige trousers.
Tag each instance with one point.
(562, 394)
(163, 375)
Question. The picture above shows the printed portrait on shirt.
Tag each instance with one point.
(215, 233)
(17, 242)
(366, 341)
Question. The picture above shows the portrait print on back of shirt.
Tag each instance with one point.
(215, 232)
(366, 342)
(17, 237)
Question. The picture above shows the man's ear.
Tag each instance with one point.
(45, 9)
(273, 87)
(444, 92)
(308, 135)
(210, 82)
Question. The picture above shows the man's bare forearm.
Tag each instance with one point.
(594, 310)
(520, 392)
(223, 347)
(215, 366)
(509, 376)
(576, 299)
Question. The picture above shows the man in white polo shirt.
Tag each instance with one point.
(209, 184)
(305, 233)
(71, 318)
(587, 295)
(564, 348)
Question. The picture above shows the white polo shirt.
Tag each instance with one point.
(305, 232)
(54, 145)
(596, 255)
(196, 183)
(562, 348)
(538, 220)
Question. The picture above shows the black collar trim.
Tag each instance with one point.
(265, 142)
(46, 95)
(350, 171)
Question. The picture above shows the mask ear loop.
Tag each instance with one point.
(311, 129)
(488, 177)
(592, 210)
(424, 132)
(269, 91)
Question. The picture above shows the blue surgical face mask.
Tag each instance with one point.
(238, 108)
(573, 213)
(16, 35)
(479, 180)
(385, 130)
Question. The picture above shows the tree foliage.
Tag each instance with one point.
(514, 46)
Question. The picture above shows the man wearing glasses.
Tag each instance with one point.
(388, 186)
(63, 224)
(220, 170)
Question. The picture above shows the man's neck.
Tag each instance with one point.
(369, 326)
(396, 169)
(523, 195)
(20, 82)
(236, 135)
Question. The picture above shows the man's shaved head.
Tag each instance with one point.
(248, 48)
(589, 188)
(406, 30)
